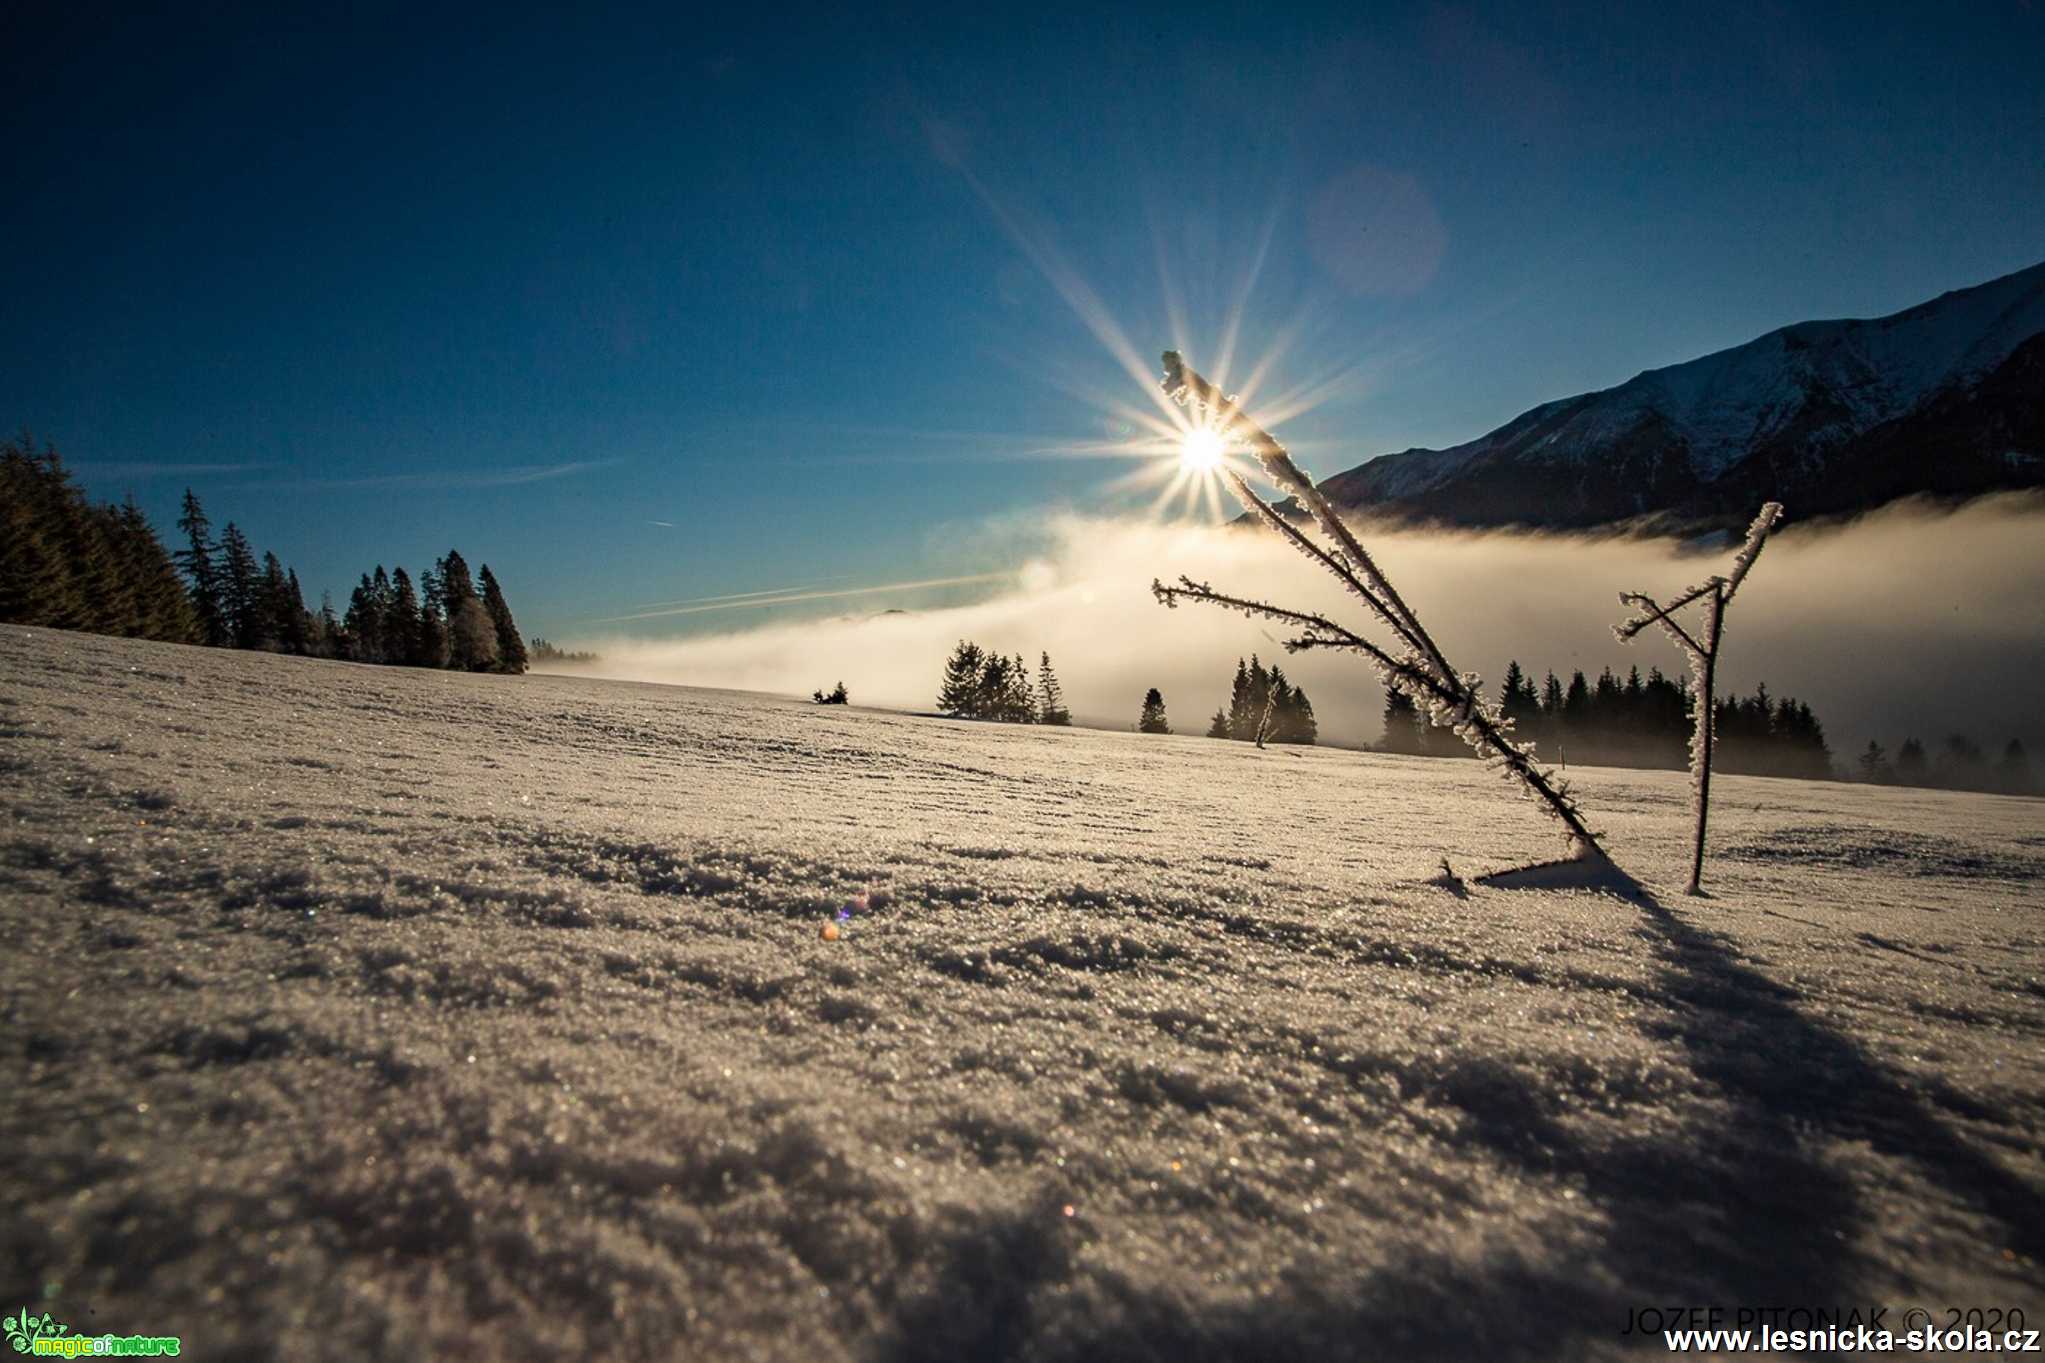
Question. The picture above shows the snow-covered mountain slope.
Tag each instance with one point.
(363, 1013)
(1947, 397)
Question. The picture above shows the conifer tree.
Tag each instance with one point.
(1152, 720)
(240, 599)
(431, 650)
(1240, 718)
(1874, 765)
(991, 698)
(272, 605)
(162, 608)
(1516, 698)
(1050, 696)
(456, 586)
(365, 619)
(959, 695)
(1020, 704)
(196, 561)
(1218, 727)
(1911, 767)
(299, 626)
(403, 621)
(511, 655)
(1402, 721)
(471, 635)
(1302, 727)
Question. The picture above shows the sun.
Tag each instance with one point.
(1201, 450)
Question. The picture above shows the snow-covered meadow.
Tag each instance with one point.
(355, 1012)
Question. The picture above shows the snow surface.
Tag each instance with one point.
(355, 1013)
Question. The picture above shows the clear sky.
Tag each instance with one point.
(646, 305)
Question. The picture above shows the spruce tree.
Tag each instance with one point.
(1402, 723)
(432, 641)
(471, 636)
(1302, 727)
(163, 610)
(240, 598)
(1258, 700)
(1874, 765)
(456, 586)
(1022, 696)
(959, 694)
(1152, 720)
(1218, 728)
(1240, 721)
(511, 655)
(1050, 696)
(1911, 767)
(365, 619)
(273, 609)
(299, 626)
(403, 622)
(196, 561)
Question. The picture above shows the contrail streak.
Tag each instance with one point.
(738, 596)
(754, 600)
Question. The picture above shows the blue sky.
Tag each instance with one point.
(381, 282)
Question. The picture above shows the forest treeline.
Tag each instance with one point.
(69, 564)
(1638, 722)
(1645, 722)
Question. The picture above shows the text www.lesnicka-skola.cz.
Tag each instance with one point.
(1786, 1329)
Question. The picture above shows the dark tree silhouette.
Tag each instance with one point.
(2013, 773)
(1402, 723)
(511, 655)
(69, 564)
(959, 696)
(1911, 766)
(1050, 696)
(240, 600)
(196, 561)
(1152, 720)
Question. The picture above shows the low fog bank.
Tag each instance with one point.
(1912, 620)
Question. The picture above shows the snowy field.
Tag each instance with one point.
(356, 1013)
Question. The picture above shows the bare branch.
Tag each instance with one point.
(1632, 627)
(1716, 592)
(1658, 615)
(1757, 535)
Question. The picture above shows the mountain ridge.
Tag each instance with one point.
(1943, 398)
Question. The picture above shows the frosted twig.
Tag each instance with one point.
(1451, 699)
(1702, 651)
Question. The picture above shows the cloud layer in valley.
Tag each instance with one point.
(1909, 621)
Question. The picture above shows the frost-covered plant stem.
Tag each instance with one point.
(1416, 665)
(1716, 593)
